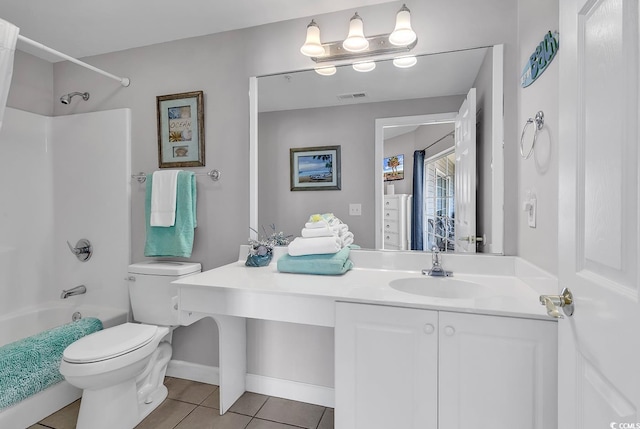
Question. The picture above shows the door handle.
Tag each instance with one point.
(554, 302)
(472, 239)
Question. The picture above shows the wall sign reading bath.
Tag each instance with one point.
(538, 61)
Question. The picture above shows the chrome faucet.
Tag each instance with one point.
(436, 267)
(78, 290)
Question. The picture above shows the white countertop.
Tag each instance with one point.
(510, 295)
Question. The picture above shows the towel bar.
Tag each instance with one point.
(214, 175)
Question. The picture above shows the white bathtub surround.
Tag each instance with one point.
(28, 321)
(236, 292)
(72, 168)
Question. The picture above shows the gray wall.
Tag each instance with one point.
(31, 85)
(353, 128)
(539, 174)
(221, 65)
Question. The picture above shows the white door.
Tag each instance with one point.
(599, 347)
(465, 186)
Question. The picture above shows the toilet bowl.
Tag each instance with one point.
(121, 369)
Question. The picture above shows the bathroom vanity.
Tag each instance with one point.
(411, 351)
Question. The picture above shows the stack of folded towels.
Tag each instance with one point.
(323, 248)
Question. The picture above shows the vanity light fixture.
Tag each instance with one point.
(405, 62)
(364, 66)
(312, 46)
(403, 34)
(403, 39)
(355, 41)
(326, 70)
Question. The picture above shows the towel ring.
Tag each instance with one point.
(539, 121)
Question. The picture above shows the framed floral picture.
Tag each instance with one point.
(181, 130)
(315, 168)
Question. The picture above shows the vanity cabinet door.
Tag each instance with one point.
(386, 367)
(497, 372)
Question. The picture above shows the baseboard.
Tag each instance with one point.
(294, 390)
(281, 388)
(193, 371)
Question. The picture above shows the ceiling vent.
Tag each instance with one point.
(352, 96)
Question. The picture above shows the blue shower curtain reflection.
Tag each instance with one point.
(417, 209)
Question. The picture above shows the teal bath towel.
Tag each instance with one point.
(174, 240)
(329, 264)
(32, 364)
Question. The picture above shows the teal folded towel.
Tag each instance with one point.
(176, 240)
(329, 264)
(32, 364)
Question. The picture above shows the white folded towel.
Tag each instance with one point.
(163, 198)
(346, 239)
(318, 232)
(301, 246)
(340, 229)
(318, 224)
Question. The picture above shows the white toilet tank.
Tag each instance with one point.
(154, 299)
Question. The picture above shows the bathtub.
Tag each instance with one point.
(29, 321)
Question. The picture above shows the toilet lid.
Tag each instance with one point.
(110, 343)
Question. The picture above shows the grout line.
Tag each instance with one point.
(321, 417)
(178, 424)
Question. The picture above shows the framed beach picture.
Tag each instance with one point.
(393, 168)
(315, 168)
(181, 130)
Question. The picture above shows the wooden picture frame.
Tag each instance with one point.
(315, 168)
(181, 130)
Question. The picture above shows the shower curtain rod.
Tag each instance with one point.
(124, 81)
(440, 139)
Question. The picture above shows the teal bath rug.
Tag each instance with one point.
(31, 364)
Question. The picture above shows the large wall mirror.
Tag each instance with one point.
(398, 130)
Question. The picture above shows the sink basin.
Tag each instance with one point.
(440, 287)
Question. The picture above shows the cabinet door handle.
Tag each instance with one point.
(449, 330)
(428, 328)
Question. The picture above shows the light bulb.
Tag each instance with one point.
(326, 70)
(403, 34)
(312, 46)
(364, 66)
(355, 41)
(405, 62)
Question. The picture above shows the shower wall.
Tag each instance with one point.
(64, 178)
(26, 210)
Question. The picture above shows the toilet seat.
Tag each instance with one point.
(110, 343)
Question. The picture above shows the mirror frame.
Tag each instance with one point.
(497, 185)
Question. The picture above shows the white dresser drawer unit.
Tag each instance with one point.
(397, 222)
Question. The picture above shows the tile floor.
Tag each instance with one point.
(192, 405)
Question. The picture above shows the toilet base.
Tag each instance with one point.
(124, 405)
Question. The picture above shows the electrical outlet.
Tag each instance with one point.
(355, 209)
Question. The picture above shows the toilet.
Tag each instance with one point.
(121, 369)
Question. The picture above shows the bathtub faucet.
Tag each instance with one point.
(78, 290)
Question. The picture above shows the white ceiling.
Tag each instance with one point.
(82, 28)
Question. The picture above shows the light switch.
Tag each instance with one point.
(531, 207)
(355, 209)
